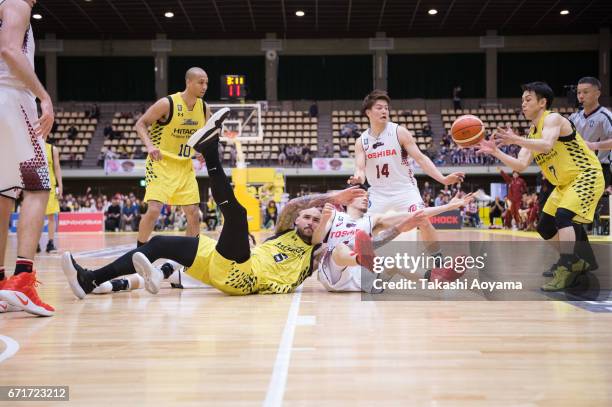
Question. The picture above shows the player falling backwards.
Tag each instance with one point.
(567, 162)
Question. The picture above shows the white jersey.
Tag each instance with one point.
(344, 227)
(343, 230)
(7, 78)
(388, 165)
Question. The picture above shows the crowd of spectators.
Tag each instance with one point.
(450, 154)
(294, 155)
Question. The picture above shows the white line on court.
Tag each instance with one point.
(12, 346)
(278, 381)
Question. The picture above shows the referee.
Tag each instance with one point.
(593, 122)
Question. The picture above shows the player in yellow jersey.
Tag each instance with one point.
(57, 187)
(170, 177)
(574, 170)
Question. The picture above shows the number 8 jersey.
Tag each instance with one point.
(389, 171)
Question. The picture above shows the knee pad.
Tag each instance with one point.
(547, 227)
(564, 218)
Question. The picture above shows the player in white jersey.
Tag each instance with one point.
(384, 155)
(340, 269)
(23, 163)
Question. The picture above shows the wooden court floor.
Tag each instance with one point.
(311, 348)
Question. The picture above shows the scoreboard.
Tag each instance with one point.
(233, 87)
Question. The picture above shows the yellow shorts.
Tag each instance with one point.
(580, 196)
(171, 182)
(225, 275)
(52, 203)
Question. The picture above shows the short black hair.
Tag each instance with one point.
(591, 81)
(372, 97)
(541, 90)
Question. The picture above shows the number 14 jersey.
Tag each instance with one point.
(388, 165)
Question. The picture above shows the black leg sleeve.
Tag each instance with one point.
(181, 249)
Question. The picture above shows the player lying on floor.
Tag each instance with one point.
(346, 233)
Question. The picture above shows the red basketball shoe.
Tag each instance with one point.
(365, 250)
(443, 275)
(20, 291)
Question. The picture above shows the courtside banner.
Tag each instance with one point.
(15, 221)
(447, 220)
(137, 167)
(333, 164)
(488, 271)
(81, 222)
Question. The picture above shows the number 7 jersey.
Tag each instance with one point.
(388, 165)
(569, 157)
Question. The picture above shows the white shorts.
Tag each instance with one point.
(337, 278)
(383, 201)
(23, 161)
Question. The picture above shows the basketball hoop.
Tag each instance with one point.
(230, 135)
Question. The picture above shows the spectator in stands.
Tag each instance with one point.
(326, 151)
(516, 188)
(101, 157)
(314, 109)
(306, 153)
(471, 211)
(128, 215)
(282, 156)
(232, 155)
(64, 206)
(164, 217)
(108, 131)
(446, 140)
(113, 216)
(72, 133)
(212, 218)
(344, 148)
(428, 200)
(439, 201)
(496, 210)
(349, 130)
(427, 132)
(426, 189)
(95, 112)
(270, 215)
(457, 97)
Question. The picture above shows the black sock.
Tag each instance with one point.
(167, 269)
(567, 259)
(120, 284)
(23, 265)
(583, 247)
(139, 243)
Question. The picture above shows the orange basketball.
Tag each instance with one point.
(467, 130)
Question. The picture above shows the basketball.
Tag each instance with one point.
(467, 130)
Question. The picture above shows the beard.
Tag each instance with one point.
(307, 239)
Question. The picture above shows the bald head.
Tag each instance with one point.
(196, 81)
(194, 73)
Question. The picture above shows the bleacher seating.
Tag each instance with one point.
(128, 143)
(413, 120)
(280, 128)
(498, 117)
(72, 151)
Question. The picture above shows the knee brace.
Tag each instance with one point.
(564, 218)
(547, 227)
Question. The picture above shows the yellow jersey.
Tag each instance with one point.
(52, 178)
(282, 263)
(568, 158)
(171, 135)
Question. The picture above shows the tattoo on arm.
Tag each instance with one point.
(385, 236)
(292, 209)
